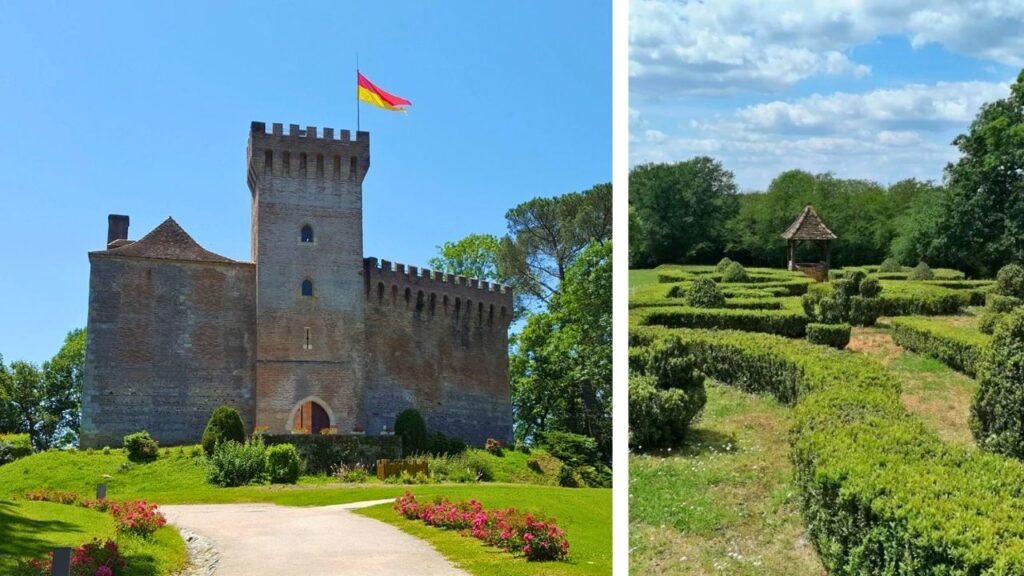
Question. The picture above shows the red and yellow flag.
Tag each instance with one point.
(369, 92)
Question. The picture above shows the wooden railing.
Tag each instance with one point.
(387, 468)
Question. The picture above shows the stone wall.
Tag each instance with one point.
(168, 342)
(437, 343)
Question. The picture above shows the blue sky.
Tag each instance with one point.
(145, 111)
(862, 88)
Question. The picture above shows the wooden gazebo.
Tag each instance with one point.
(808, 227)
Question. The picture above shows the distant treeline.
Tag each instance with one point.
(691, 211)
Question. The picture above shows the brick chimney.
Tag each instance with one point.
(117, 228)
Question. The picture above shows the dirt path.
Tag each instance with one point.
(938, 394)
(272, 540)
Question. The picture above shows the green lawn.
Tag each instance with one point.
(32, 529)
(724, 502)
(584, 513)
(178, 478)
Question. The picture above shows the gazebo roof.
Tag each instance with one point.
(808, 226)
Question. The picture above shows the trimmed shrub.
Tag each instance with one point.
(834, 335)
(14, 446)
(959, 349)
(225, 424)
(870, 288)
(141, 447)
(735, 272)
(1001, 303)
(577, 451)
(704, 293)
(1010, 281)
(997, 414)
(880, 492)
(666, 393)
(781, 322)
(921, 272)
(989, 321)
(237, 464)
(282, 464)
(864, 311)
(469, 466)
(440, 444)
(413, 431)
(722, 265)
(890, 265)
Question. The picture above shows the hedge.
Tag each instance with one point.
(781, 322)
(920, 299)
(834, 335)
(14, 446)
(999, 303)
(958, 348)
(880, 492)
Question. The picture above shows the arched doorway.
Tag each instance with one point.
(311, 417)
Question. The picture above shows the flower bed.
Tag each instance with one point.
(509, 529)
(134, 517)
(92, 559)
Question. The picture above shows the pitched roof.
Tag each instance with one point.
(808, 226)
(167, 241)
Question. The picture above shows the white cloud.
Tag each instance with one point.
(692, 47)
(884, 134)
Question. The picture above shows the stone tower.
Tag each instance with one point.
(307, 244)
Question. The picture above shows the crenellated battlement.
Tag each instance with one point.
(395, 283)
(306, 153)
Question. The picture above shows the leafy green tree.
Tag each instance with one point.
(62, 382)
(9, 420)
(681, 210)
(23, 396)
(475, 256)
(560, 364)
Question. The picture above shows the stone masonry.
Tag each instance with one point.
(175, 330)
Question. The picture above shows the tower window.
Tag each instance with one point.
(337, 167)
(307, 287)
(268, 161)
(308, 344)
(319, 165)
(287, 163)
(307, 233)
(302, 164)
(352, 168)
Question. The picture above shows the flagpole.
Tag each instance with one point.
(357, 93)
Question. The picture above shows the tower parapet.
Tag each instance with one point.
(422, 289)
(306, 153)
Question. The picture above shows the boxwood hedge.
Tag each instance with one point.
(958, 348)
(834, 335)
(781, 322)
(880, 492)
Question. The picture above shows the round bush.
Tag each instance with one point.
(666, 393)
(410, 426)
(282, 464)
(141, 447)
(1001, 303)
(997, 414)
(237, 464)
(704, 293)
(921, 272)
(864, 311)
(834, 335)
(870, 288)
(1010, 281)
(722, 265)
(225, 424)
(890, 265)
(735, 272)
(989, 321)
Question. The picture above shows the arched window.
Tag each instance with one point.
(307, 233)
(307, 287)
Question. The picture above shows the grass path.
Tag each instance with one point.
(724, 503)
(938, 394)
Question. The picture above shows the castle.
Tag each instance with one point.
(307, 336)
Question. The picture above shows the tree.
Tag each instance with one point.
(561, 361)
(24, 396)
(545, 235)
(62, 382)
(475, 256)
(681, 209)
(981, 226)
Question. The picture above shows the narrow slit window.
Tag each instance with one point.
(268, 161)
(319, 165)
(352, 168)
(307, 287)
(337, 167)
(287, 163)
(308, 344)
(302, 164)
(307, 234)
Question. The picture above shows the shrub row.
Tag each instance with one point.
(834, 335)
(957, 348)
(999, 303)
(781, 322)
(923, 303)
(881, 493)
(14, 446)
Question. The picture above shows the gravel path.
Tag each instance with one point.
(271, 540)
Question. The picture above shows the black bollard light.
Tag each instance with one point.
(101, 491)
(61, 562)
